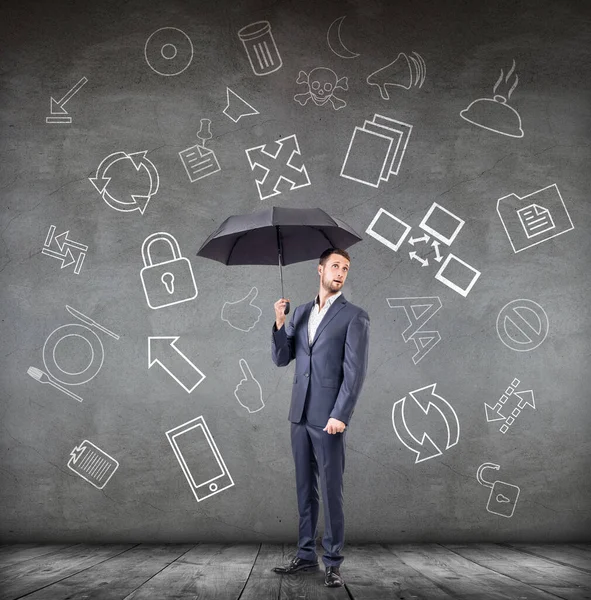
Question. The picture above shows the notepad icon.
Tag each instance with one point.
(535, 218)
(92, 464)
(199, 162)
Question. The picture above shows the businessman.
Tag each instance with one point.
(329, 338)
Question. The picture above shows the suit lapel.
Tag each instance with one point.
(337, 305)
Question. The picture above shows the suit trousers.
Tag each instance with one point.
(318, 453)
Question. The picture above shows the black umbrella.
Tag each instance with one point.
(277, 235)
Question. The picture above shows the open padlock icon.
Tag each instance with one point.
(503, 496)
(167, 282)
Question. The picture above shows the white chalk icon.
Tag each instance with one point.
(92, 464)
(535, 218)
(418, 311)
(503, 496)
(199, 457)
(139, 202)
(162, 351)
(278, 167)
(237, 107)
(199, 161)
(64, 249)
(425, 448)
(524, 397)
(167, 282)
(259, 43)
(168, 51)
(335, 41)
(405, 71)
(322, 84)
(242, 314)
(442, 224)
(522, 325)
(383, 137)
(462, 277)
(248, 392)
(89, 346)
(494, 113)
(56, 107)
(391, 231)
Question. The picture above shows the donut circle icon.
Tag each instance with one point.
(168, 51)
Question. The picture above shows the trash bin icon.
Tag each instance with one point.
(260, 47)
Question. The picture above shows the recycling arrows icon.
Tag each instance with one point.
(138, 202)
(425, 448)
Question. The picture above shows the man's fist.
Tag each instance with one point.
(280, 312)
(334, 426)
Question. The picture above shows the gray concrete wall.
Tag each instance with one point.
(533, 152)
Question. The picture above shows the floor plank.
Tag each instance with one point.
(116, 577)
(15, 553)
(563, 581)
(263, 583)
(371, 572)
(207, 571)
(461, 578)
(26, 577)
(564, 554)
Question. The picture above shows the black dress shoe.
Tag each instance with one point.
(297, 564)
(332, 577)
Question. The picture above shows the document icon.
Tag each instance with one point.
(199, 161)
(200, 459)
(535, 218)
(92, 464)
(376, 150)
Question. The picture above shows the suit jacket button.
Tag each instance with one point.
(306, 375)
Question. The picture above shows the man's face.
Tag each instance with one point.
(333, 273)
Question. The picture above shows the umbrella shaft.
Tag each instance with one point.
(281, 275)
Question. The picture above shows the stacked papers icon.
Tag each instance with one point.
(376, 150)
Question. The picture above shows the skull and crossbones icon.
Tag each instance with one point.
(322, 83)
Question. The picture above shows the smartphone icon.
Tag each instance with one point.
(200, 459)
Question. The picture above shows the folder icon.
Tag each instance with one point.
(199, 162)
(535, 218)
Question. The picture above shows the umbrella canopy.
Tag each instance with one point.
(277, 235)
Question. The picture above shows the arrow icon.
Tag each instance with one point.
(424, 261)
(57, 106)
(424, 238)
(436, 245)
(283, 161)
(67, 258)
(237, 107)
(63, 240)
(526, 398)
(426, 448)
(162, 350)
(493, 413)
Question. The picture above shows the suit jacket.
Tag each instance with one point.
(329, 374)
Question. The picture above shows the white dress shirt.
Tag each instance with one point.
(316, 315)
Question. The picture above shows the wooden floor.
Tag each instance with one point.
(232, 572)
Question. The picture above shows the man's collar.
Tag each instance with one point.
(329, 300)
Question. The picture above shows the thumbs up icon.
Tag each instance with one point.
(248, 392)
(242, 314)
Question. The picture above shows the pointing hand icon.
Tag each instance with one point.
(248, 392)
(242, 314)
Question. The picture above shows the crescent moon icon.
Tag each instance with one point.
(335, 43)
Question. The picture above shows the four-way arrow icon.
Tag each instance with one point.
(162, 350)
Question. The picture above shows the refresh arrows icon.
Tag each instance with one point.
(138, 201)
(425, 448)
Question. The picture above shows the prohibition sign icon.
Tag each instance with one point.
(522, 325)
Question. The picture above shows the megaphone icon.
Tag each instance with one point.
(405, 71)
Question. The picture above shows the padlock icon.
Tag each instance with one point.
(168, 282)
(503, 496)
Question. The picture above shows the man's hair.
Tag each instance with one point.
(324, 256)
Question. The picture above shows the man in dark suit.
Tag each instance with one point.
(329, 338)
